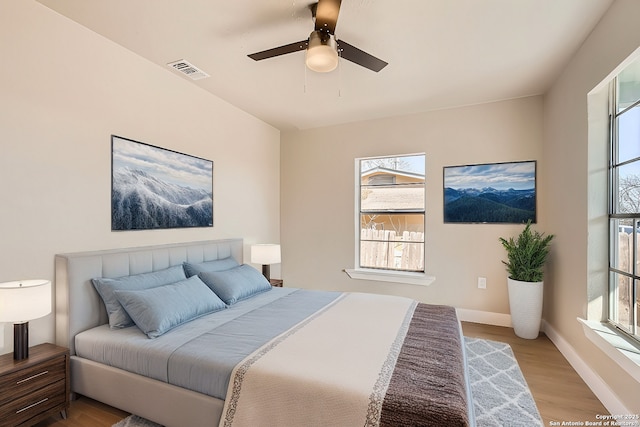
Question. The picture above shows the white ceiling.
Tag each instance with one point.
(441, 53)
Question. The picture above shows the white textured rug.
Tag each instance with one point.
(501, 396)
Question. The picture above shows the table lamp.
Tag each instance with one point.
(21, 301)
(265, 254)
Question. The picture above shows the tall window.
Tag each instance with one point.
(391, 212)
(624, 206)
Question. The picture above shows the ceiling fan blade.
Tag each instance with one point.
(326, 13)
(281, 50)
(360, 57)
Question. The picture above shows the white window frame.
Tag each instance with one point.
(383, 275)
(621, 349)
(613, 185)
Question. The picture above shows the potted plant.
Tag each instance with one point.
(526, 256)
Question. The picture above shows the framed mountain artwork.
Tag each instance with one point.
(490, 193)
(156, 188)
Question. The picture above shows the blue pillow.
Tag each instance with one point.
(215, 265)
(118, 317)
(158, 310)
(236, 284)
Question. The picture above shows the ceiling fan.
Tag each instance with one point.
(322, 47)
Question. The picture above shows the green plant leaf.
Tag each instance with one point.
(526, 254)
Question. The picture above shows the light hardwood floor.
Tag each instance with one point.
(85, 412)
(559, 392)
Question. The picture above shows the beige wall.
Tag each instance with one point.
(63, 91)
(318, 177)
(570, 204)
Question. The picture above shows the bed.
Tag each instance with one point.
(272, 356)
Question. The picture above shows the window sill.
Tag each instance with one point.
(420, 279)
(614, 345)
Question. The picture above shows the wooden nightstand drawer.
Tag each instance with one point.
(32, 405)
(27, 380)
(34, 388)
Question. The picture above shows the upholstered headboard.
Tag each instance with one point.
(78, 305)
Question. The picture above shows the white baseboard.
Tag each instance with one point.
(484, 317)
(597, 385)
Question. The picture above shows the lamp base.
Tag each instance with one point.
(266, 271)
(20, 341)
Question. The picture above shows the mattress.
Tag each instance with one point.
(201, 354)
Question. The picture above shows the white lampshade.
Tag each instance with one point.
(24, 300)
(265, 254)
(322, 54)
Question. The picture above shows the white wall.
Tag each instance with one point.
(317, 182)
(63, 91)
(569, 206)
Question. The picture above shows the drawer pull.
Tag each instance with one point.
(32, 405)
(32, 377)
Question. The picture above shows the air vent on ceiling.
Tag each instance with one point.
(193, 72)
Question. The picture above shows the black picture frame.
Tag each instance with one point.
(503, 193)
(156, 188)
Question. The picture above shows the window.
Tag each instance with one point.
(624, 205)
(391, 213)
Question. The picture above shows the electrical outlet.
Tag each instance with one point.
(482, 283)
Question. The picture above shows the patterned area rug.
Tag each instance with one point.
(501, 395)
(135, 421)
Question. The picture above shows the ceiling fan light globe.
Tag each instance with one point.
(322, 59)
(322, 54)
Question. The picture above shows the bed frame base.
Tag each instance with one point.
(154, 400)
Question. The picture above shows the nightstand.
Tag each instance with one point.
(276, 282)
(35, 388)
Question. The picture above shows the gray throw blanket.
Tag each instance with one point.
(428, 386)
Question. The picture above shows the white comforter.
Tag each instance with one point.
(334, 367)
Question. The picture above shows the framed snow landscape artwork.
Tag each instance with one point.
(156, 188)
(490, 193)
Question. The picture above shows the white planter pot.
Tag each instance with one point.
(525, 301)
